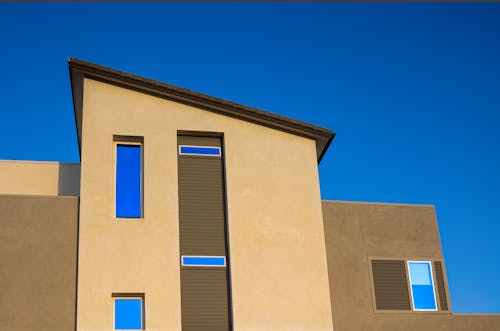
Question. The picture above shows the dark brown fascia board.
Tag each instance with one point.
(80, 69)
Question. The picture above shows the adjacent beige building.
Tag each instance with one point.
(262, 252)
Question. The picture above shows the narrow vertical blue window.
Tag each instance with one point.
(128, 181)
(128, 314)
(422, 285)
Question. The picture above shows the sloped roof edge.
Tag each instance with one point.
(80, 69)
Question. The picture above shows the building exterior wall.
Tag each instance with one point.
(479, 322)
(39, 178)
(279, 275)
(357, 232)
(38, 247)
(296, 263)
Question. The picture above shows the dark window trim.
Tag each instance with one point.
(128, 140)
(130, 295)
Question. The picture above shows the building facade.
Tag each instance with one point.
(189, 212)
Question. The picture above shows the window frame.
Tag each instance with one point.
(130, 296)
(130, 141)
(203, 265)
(410, 293)
(199, 146)
(431, 267)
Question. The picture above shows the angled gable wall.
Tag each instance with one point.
(275, 234)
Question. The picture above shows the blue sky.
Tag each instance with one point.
(412, 91)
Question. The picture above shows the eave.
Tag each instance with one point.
(81, 69)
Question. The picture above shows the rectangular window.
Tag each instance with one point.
(422, 285)
(204, 261)
(402, 285)
(129, 312)
(128, 180)
(199, 150)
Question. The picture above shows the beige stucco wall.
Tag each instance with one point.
(39, 178)
(278, 261)
(356, 232)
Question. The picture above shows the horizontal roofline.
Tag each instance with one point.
(38, 196)
(379, 203)
(36, 161)
(80, 69)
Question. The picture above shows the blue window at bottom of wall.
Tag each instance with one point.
(128, 314)
(422, 286)
(199, 150)
(204, 261)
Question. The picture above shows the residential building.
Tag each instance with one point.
(189, 212)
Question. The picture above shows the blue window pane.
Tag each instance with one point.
(420, 273)
(202, 261)
(200, 150)
(423, 297)
(128, 181)
(128, 314)
(422, 286)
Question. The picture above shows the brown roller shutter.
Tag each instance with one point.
(202, 226)
(443, 301)
(204, 299)
(200, 206)
(390, 285)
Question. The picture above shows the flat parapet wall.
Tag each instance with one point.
(39, 178)
(476, 322)
(275, 248)
(38, 248)
(357, 233)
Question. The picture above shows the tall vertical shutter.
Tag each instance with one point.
(390, 285)
(441, 289)
(202, 226)
(204, 299)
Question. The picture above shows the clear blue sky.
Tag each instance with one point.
(412, 91)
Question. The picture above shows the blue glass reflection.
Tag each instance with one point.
(422, 286)
(128, 314)
(128, 181)
(212, 261)
(200, 150)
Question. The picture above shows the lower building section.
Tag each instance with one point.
(386, 270)
(385, 265)
(38, 248)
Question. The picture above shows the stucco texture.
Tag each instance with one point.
(39, 178)
(357, 232)
(279, 277)
(38, 245)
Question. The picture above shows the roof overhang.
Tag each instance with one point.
(79, 70)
